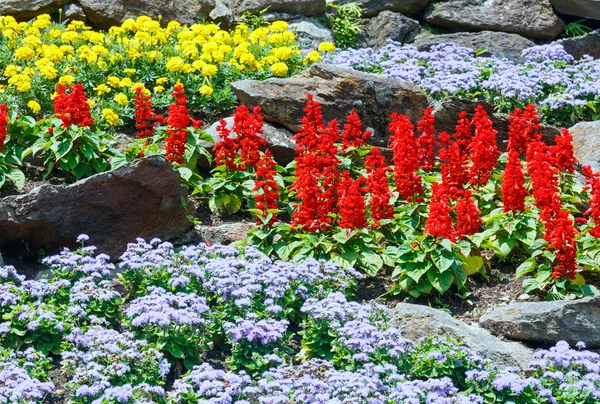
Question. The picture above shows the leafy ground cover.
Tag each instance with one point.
(565, 90)
(228, 325)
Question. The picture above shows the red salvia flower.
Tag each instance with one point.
(178, 120)
(226, 149)
(484, 148)
(463, 133)
(439, 222)
(563, 152)
(468, 216)
(406, 158)
(144, 116)
(593, 183)
(378, 186)
(352, 202)
(267, 186)
(426, 140)
(524, 127)
(454, 168)
(248, 125)
(560, 235)
(513, 184)
(3, 125)
(72, 107)
(353, 135)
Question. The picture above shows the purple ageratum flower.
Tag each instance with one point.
(82, 263)
(123, 394)
(210, 385)
(83, 238)
(162, 308)
(551, 52)
(16, 383)
(252, 328)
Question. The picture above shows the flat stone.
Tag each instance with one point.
(583, 45)
(371, 8)
(139, 199)
(388, 26)
(530, 18)
(27, 9)
(416, 321)
(299, 7)
(310, 32)
(226, 233)
(548, 322)
(586, 143)
(74, 12)
(579, 8)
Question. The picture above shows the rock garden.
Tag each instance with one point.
(273, 201)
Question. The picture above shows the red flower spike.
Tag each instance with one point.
(3, 125)
(72, 107)
(593, 182)
(513, 184)
(378, 186)
(178, 121)
(563, 152)
(143, 114)
(265, 183)
(463, 133)
(468, 216)
(353, 135)
(406, 158)
(426, 140)
(524, 127)
(484, 149)
(439, 222)
(351, 203)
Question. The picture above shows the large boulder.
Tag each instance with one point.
(139, 199)
(548, 322)
(488, 43)
(579, 8)
(388, 25)
(416, 322)
(310, 32)
(104, 14)
(339, 91)
(586, 142)
(293, 7)
(580, 46)
(371, 8)
(531, 18)
(24, 10)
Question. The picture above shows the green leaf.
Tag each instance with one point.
(17, 177)
(176, 351)
(443, 261)
(63, 148)
(372, 263)
(441, 281)
(185, 173)
(472, 264)
(525, 268)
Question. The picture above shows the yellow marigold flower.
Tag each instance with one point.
(126, 82)
(24, 53)
(326, 47)
(283, 53)
(279, 26)
(48, 72)
(110, 116)
(67, 79)
(279, 69)
(159, 89)
(100, 50)
(137, 85)
(206, 90)
(21, 82)
(276, 38)
(129, 71)
(91, 103)
(113, 81)
(175, 64)
(269, 60)
(34, 106)
(102, 89)
(121, 99)
(312, 57)
(129, 24)
(11, 70)
(209, 70)
(69, 36)
(161, 80)
(288, 36)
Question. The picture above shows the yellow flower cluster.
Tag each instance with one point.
(141, 53)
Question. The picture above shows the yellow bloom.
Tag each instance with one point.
(126, 82)
(206, 90)
(24, 53)
(326, 47)
(34, 106)
(175, 64)
(113, 81)
(101, 89)
(91, 103)
(67, 79)
(283, 53)
(209, 70)
(312, 57)
(22, 82)
(11, 70)
(159, 89)
(129, 71)
(121, 99)
(161, 80)
(110, 116)
(279, 69)
(279, 26)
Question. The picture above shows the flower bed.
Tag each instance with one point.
(228, 325)
(564, 90)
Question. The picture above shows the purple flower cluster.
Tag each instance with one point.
(74, 265)
(18, 378)
(208, 385)
(252, 328)
(548, 77)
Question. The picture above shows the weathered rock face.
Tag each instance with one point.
(226, 233)
(586, 143)
(583, 45)
(74, 12)
(531, 18)
(279, 140)
(339, 91)
(416, 321)
(140, 199)
(28, 9)
(104, 14)
(499, 44)
(548, 322)
(373, 7)
(310, 32)
(579, 8)
(222, 15)
(388, 25)
(299, 7)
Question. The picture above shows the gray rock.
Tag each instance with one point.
(579, 8)
(104, 14)
(531, 18)
(583, 45)
(74, 12)
(416, 322)
(299, 7)
(222, 15)
(25, 10)
(1, 261)
(226, 233)
(586, 143)
(339, 91)
(388, 25)
(500, 44)
(373, 7)
(139, 199)
(279, 140)
(310, 32)
(548, 322)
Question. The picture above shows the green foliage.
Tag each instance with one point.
(575, 29)
(346, 24)
(255, 20)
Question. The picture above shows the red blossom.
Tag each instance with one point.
(353, 135)
(406, 158)
(267, 186)
(3, 125)
(513, 184)
(351, 204)
(593, 182)
(463, 133)
(72, 107)
(144, 116)
(377, 183)
(248, 125)
(524, 127)
(563, 152)
(439, 222)
(454, 167)
(426, 140)
(178, 120)
(468, 216)
(484, 149)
